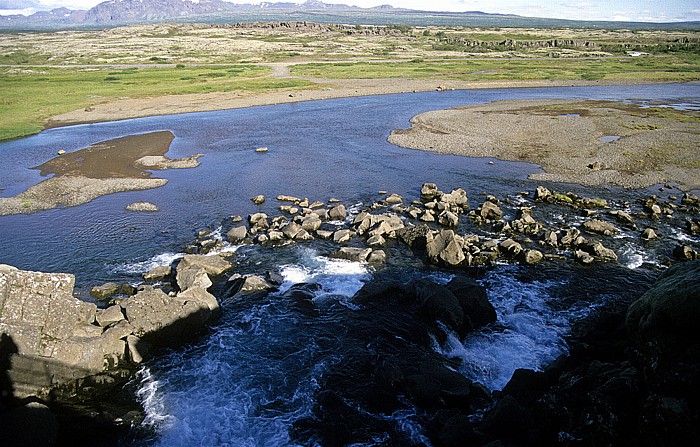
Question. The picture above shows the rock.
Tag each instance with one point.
(473, 300)
(692, 226)
(414, 236)
(428, 216)
(283, 198)
(105, 291)
(204, 300)
(312, 222)
(394, 199)
(648, 234)
(448, 219)
(324, 234)
(542, 193)
(622, 217)
(337, 213)
(377, 257)
(583, 257)
(685, 253)
(158, 273)
(258, 200)
(532, 256)
(428, 192)
(375, 241)
(600, 227)
(29, 425)
(258, 220)
(690, 199)
(668, 312)
(192, 277)
(438, 302)
(291, 230)
(457, 198)
(490, 211)
(214, 265)
(161, 319)
(261, 150)
(237, 234)
(352, 254)
(112, 314)
(444, 248)
(663, 328)
(598, 250)
(138, 349)
(251, 283)
(342, 236)
(510, 247)
(142, 207)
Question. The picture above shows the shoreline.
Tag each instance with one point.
(327, 89)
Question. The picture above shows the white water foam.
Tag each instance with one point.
(338, 278)
(144, 266)
(531, 333)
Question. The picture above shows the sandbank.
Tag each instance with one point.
(107, 167)
(647, 146)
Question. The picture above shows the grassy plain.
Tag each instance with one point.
(43, 74)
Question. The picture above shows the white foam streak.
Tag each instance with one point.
(531, 333)
(337, 277)
(144, 266)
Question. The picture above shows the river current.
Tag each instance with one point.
(255, 376)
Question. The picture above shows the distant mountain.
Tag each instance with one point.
(121, 12)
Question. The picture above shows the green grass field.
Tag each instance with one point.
(29, 97)
(651, 68)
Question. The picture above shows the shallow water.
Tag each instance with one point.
(260, 368)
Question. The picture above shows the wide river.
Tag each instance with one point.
(258, 371)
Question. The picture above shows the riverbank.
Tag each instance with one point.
(324, 89)
(585, 142)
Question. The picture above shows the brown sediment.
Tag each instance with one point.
(655, 145)
(110, 159)
(104, 168)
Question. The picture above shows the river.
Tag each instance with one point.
(255, 378)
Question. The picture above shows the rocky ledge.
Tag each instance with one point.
(56, 347)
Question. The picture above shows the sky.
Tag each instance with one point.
(615, 10)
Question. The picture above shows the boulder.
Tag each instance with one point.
(532, 256)
(473, 300)
(490, 211)
(428, 192)
(258, 200)
(375, 241)
(112, 314)
(648, 234)
(600, 227)
(192, 277)
(622, 217)
(599, 251)
(690, 199)
(692, 226)
(510, 248)
(311, 222)
(142, 207)
(291, 230)
(394, 199)
(237, 234)
(138, 349)
(377, 257)
(685, 253)
(163, 320)
(158, 273)
(352, 254)
(258, 220)
(214, 265)
(542, 193)
(414, 236)
(342, 236)
(105, 291)
(445, 248)
(338, 212)
(438, 302)
(448, 219)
